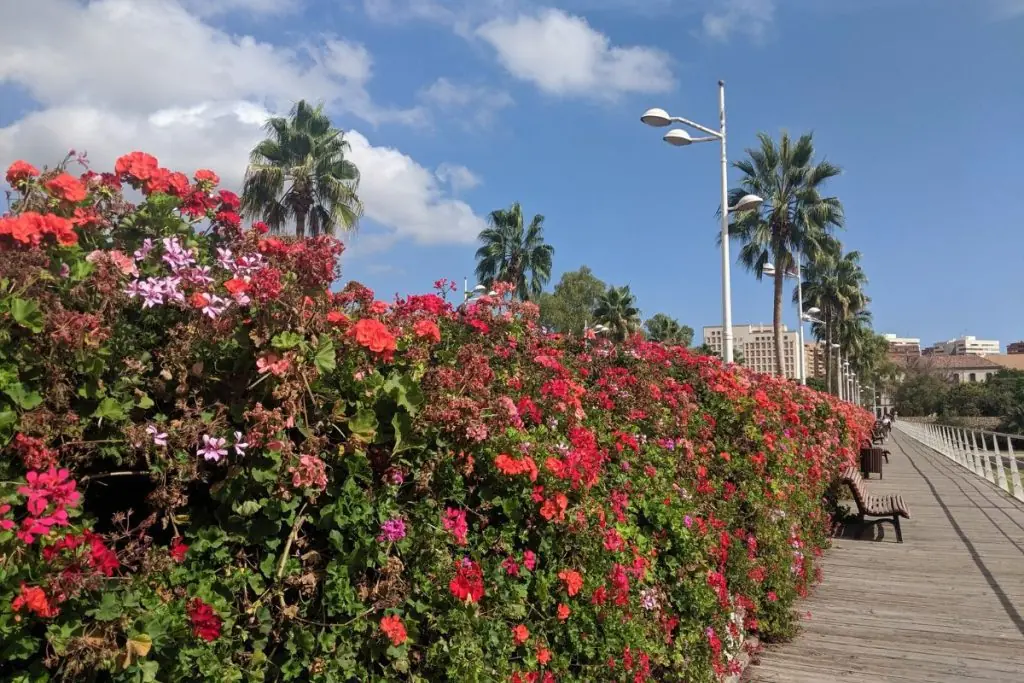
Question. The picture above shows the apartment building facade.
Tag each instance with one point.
(757, 344)
(903, 345)
(964, 346)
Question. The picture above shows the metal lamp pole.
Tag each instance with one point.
(680, 138)
(800, 320)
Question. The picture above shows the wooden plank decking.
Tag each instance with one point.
(946, 605)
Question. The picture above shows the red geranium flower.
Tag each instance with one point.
(375, 336)
(468, 584)
(204, 175)
(206, 624)
(20, 171)
(427, 329)
(573, 581)
(35, 600)
(394, 629)
(563, 612)
(520, 634)
(178, 549)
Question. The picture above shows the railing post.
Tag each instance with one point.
(978, 467)
(969, 461)
(961, 453)
(989, 473)
(1000, 471)
(947, 441)
(1018, 490)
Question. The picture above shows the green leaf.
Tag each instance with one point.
(404, 437)
(405, 391)
(364, 424)
(325, 358)
(26, 313)
(286, 340)
(109, 608)
(109, 408)
(248, 508)
(26, 400)
(145, 402)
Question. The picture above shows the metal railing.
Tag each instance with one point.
(976, 450)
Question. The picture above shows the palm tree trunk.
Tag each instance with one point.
(300, 223)
(780, 274)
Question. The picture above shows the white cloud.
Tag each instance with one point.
(458, 177)
(113, 76)
(563, 55)
(752, 18)
(403, 196)
(472, 105)
(144, 55)
(209, 8)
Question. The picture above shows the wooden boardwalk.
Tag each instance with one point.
(946, 605)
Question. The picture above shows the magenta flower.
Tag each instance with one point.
(392, 530)
(213, 448)
(240, 444)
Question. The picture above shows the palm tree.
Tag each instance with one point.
(511, 251)
(668, 331)
(795, 217)
(834, 282)
(616, 310)
(300, 173)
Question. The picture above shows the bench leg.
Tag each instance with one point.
(899, 532)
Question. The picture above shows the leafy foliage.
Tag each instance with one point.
(571, 306)
(217, 469)
(515, 253)
(300, 173)
(795, 219)
(616, 310)
(668, 331)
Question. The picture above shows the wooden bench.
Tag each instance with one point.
(887, 506)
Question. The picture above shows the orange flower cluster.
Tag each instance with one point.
(20, 171)
(394, 629)
(375, 336)
(34, 599)
(506, 464)
(31, 228)
(66, 188)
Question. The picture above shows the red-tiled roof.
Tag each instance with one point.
(968, 362)
(1013, 361)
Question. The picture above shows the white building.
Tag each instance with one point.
(965, 346)
(911, 345)
(757, 344)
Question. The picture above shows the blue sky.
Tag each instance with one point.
(457, 108)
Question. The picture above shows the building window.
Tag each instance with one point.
(972, 377)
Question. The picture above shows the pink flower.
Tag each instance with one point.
(213, 448)
(455, 522)
(272, 363)
(529, 560)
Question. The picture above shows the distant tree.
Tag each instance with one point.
(921, 393)
(704, 350)
(817, 383)
(616, 309)
(300, 173)
(796, 216)
(514, 252)
(662, 328)
(571, 305)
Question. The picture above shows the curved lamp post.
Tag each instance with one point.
(659, 118)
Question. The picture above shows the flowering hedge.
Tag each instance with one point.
(215, 468)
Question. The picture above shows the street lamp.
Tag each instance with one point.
(769, 270)
(659, 118)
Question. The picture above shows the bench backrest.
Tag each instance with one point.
(852, 478)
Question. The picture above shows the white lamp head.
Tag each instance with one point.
(813, 310)
(678, 137)
(748, 202)
(658, 118)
